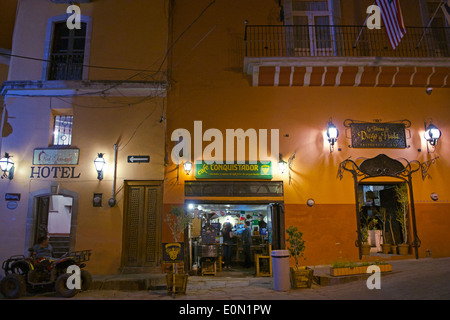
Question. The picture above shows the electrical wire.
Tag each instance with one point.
(84, 65)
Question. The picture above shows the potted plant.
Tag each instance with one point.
(177, 221)
(385, 246)
(365, 246)
(374, 232)
(301, 276)
(402, 216)
(394, 244)
(364, 230)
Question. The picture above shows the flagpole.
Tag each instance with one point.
(362, 28)
(429, 23)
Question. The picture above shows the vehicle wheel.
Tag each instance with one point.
(20, 267)
(12, 286)
(86, 280)
(61, 287)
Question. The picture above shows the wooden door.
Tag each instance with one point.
(42, 205)
(142, 225)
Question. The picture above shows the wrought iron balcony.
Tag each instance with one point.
(343, 41)
(66, 66)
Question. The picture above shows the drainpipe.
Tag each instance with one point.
(2, 124)
(112, 201)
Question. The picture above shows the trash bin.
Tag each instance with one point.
(280, 269)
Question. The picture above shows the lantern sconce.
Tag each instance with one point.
(332, 134)
(99, 164)
(282, 165)
(7, 166)
(432, 135)
(187, 167)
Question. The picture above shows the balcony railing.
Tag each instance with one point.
(66, 66)
(343, 41)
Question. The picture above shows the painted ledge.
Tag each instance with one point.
(83, 88)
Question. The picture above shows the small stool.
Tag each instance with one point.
(209, 268)
(259, 273)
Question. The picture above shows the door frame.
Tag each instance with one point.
(279, 236)
(30, 233)
(384, 167)
(159, 208)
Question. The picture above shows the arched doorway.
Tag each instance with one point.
(52, 212)
(397, 172)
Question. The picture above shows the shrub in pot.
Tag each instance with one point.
(301, 277)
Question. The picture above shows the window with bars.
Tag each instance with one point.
(437, 34)
(67, 55)
(62, 130)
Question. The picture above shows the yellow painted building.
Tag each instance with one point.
(71, 95)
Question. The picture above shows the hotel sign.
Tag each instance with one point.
(48, 156)
(247, 170)
(378, 135)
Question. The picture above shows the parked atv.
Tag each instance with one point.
(42, 274)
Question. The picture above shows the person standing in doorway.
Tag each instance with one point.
(246, 242)
(227, 245)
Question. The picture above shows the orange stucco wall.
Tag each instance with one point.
(211, 86)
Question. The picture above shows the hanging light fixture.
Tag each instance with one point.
(99, 164)
(332, 134)
(7, 166)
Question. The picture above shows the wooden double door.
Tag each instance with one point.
(141, 250)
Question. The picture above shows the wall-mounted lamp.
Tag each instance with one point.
(432, 134)
(282, 165)
(99, 164)
(7, 166)
(187, 167)
(332, 134)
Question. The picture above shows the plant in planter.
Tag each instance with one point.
(343, 268)
(385, 246)
(177, 221)
(301, 277)
(375, 233)
(402, 216)
(394, 244)
(365, 246)
(364, 235)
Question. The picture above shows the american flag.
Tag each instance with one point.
(393, 20)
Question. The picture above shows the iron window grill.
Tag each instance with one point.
(62, 133)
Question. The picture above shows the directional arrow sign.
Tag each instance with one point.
(138, 159)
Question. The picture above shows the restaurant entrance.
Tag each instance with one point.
(215, 249)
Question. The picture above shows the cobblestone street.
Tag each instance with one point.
(423, 279)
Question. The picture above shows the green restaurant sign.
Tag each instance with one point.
(247, 170)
